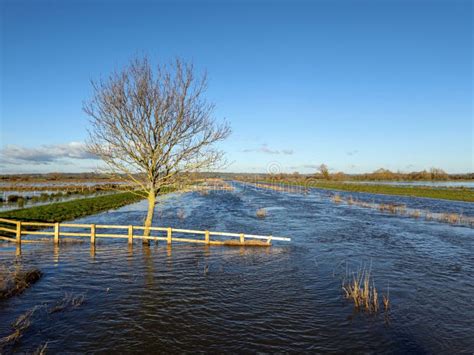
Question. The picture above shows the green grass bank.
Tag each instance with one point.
(63, 211)
(454, 194)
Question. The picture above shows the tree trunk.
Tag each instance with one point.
(149, 216)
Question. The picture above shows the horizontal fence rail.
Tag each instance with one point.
(17, 229)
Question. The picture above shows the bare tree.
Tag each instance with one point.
(324, 170)
(152, 125)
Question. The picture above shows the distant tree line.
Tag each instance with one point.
(434, 174)
(324, 173)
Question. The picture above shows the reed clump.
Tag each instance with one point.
(361, 290)
(14, 281)
(261, 213)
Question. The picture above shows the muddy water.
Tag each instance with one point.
(285, 298)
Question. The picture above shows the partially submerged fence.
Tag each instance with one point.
(18, 229)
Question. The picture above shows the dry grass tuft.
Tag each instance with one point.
(386, 302)
(181, 214)
(261, 213)
(204, 192)
(41, 349)
(22, 323)
(362, 291)
(401, 209)
(14, 281)
(68, 301)
(452, 218)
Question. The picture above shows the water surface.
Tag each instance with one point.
(287, 298)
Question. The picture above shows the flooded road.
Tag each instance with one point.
(287, 298)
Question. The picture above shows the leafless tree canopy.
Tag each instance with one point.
(151, 124)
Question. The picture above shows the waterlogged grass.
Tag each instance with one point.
(63, 211)
(455, 194)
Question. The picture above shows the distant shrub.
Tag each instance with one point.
(13, 198)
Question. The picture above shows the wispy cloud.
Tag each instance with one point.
(267, 150)
(352, 152)
(45, 154)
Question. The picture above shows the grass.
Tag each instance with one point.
(62, 211)
(261, 213)
(455, 194)
(362, 291)
(68, 301)
(452, 218)
(22, 323)
(41, 350)
(400, 209)
(181, 214)
(13, 282)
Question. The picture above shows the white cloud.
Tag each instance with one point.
(45, 154)
(266, 150)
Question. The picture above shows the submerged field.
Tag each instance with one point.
(286, 298)
(444, 192)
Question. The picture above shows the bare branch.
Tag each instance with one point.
(152, 125)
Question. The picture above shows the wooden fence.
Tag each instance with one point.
(57, 230)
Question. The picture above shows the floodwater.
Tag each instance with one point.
(59, 183)
(287, 298)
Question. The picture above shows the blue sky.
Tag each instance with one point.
(357, 85)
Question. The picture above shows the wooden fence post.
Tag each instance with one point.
(206, 237)
(93, 234)
(130, 234)
(18, 232)
(242, 238)
(168, 238)
(56, 233)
